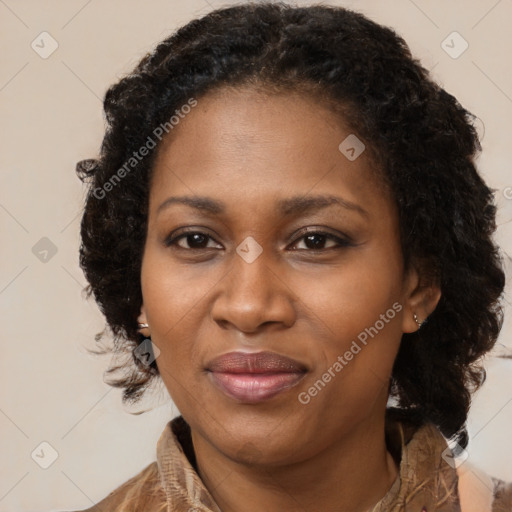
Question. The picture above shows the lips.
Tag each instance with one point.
(254, 377)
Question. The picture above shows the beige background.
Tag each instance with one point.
(51, 116)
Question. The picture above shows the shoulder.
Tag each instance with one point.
(141, 492)
(480, 491)
(502, 496)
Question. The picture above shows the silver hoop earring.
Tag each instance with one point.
(143, 326)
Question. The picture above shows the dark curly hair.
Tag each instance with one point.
(421, 139)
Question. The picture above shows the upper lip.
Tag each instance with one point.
(254, 362)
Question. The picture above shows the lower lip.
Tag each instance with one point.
(255, 387)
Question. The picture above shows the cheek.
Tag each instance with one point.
(173, 301)
(353, 295)
(173, 293)
(360, 304)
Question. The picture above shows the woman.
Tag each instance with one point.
(287, 206)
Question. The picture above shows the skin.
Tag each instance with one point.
(249, 150)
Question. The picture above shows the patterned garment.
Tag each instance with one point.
(426, 482)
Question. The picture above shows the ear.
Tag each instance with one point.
(142, 319)
(421, 294)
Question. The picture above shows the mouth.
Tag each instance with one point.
(254, 377)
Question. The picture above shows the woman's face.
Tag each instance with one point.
(293, 250)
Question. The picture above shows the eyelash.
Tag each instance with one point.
(342, 243)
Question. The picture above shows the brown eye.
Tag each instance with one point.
(190, 240)
(316, 240)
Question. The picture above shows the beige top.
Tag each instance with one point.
(426, 482)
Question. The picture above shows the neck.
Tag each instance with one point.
(353, 474)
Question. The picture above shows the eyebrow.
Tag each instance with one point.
(287, 207)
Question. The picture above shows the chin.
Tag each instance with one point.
(260, 450)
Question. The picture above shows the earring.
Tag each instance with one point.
(143, 326)
(415, 316)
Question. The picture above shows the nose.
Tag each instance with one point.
(253, 297)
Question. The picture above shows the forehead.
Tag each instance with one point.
(255, 143)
